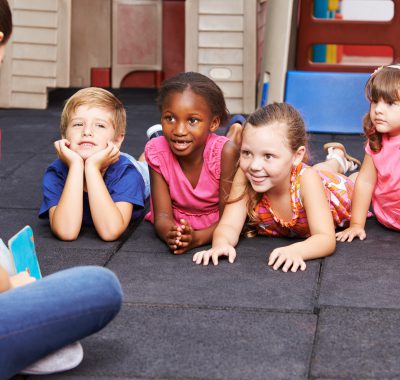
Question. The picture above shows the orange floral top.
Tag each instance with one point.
(339, 190)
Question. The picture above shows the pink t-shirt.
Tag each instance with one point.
(199, 205)
(386, 195)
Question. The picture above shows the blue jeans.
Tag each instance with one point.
(143, 169)
(41, 317)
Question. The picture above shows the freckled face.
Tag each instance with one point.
(89, 131)
(266, 158)
(187, 120)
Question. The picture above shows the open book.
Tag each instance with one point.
(20, 254)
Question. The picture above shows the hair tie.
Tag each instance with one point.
(395, 66)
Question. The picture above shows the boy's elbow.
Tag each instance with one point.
(110, 235)
(65, 234)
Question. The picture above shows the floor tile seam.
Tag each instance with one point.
(120, 244)
(338, 377)
(313, 346)
(217, 308)
(21, 209)
(314, 300)
(31, 155)
(357, 308)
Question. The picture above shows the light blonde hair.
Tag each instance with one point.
(383, 84)
(95, 97)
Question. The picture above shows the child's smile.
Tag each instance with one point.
(187, 121)
(265, 157)
(89, 131)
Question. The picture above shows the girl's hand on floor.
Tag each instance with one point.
(289, 260)
(214, 253)
(350, 233)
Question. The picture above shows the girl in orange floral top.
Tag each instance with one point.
(280, 195)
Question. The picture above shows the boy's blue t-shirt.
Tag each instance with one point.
(122, 179)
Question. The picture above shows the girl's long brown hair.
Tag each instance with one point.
(383, 84)
(296, 136)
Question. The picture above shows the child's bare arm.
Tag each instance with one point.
(164, 223)
(226, 234)
(189, 238)
(109, 218)
(66, 216)
(322, 241)
(229, 161)
(364, 187)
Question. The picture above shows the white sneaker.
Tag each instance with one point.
(154, 131)
(62, 360)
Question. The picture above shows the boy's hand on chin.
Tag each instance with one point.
(104, 158)
(65, 154)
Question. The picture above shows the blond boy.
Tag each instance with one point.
(91, 183)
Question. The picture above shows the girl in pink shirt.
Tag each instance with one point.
(191, 168)
(379, 177)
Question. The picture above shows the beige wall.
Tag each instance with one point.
(90, 39)
(37, 54)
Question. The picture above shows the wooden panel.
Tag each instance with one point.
(35, 52)
(235, 72)
(221, 6)
(249, 57)
(221, 39)
(35, 35)
(29, 100)
(133, 49)
(232, 89)
(32, 84)
(191, 35)
(234, 105)
(39, 19)
(223, 23)
(45, 5)
(221, 56)
(34, 68)
(85, 52)
(63, 67)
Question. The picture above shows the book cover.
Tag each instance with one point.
(22, 248)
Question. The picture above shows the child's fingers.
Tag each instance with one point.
(232, 255)
(288, 263)
(278, 263)
(197, 257)
(272, 257)
(298, 264)
(202, 256)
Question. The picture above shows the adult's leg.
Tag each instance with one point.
(59, 309)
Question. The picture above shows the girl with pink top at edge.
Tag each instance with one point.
(191, 168)
(379, 177)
